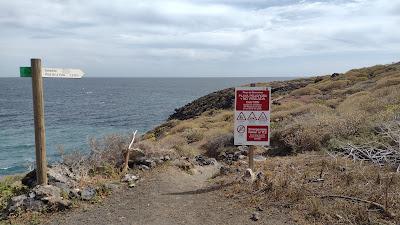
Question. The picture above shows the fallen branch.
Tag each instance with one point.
(127, 153)
(378, 206)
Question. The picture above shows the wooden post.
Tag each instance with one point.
(252, 147)
(38, 112)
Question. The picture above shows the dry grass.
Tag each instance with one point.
(296, 184)
(306, 91)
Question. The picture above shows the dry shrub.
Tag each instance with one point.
(182, 126)
(193, 135)
(218, 144)
(387, 81)
(332, 103)
(310, 108)
(170, 141)
(161, 130)
(363, 101)
(306, 133)
(296, 185)
(332, 84)
(154, 149)
(285, 106)
(306, 91)
(186, 150)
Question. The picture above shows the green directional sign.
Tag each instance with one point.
(25, 72)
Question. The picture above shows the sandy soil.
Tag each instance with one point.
(169, 196)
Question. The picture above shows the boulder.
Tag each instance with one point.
(55, 174)
(204, 161)
(129, 178)
(88, 193)
(41, 198)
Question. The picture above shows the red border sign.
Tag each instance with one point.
(252, 100)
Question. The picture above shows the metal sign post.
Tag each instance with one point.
(252, 118)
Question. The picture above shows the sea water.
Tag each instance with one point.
(78, 109)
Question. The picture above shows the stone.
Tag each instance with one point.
(46, 191)
(129, 178)
(16, 203)
(224, 170)
(131, 185)
(249, 176)
(111, 186)
(74, 193)
(167, 158)
(41, 198)
(241, 157)
(144, 167)
(255, 216)
(56, 174)
(204, 161)
(88, 193)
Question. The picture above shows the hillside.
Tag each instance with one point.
(328, 124)
(334, 159)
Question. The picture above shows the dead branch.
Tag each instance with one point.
(127, 153)
(384, 152)
(378, 206)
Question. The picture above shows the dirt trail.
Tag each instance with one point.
(167, 197)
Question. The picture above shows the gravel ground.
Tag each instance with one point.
(168, 196)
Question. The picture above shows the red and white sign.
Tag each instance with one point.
(252, 113)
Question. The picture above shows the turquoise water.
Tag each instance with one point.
(78, 109)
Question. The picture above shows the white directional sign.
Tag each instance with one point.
(62, 73)
(252, 115)
(53, 72)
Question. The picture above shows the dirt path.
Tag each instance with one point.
(168, 197)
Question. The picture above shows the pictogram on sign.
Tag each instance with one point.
(263, 117)
(241, 116)
(252, 117)
(241, 129)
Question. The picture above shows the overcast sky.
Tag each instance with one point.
(199, 37)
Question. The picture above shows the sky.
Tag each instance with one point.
(191, 38)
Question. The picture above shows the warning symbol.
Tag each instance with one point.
(241, 129)
(252, 116)
(241, 116)
(263, 117)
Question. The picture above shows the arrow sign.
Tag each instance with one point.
(53, 72)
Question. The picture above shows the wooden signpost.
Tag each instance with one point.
(252, 118)
(37, 72)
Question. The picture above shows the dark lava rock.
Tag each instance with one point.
(204, 161)
(335, 75)
(224, 99)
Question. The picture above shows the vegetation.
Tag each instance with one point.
(358, 109)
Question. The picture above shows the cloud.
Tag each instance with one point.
(251, 33)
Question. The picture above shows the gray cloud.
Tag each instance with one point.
(221, 37)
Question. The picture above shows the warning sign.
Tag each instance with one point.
(252, 113)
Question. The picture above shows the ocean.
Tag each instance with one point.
(77, 109)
